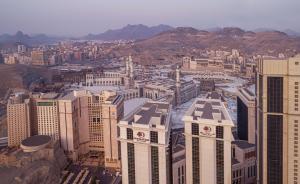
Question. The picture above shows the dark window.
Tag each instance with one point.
(220, 161)
(260, 92)
(242, 120)
(275, 94)
(129, 133)
(195, 129)
(195, 160)
(131, 163)
(219, 132)
(274, 149)
(154, 165)
(153, 137)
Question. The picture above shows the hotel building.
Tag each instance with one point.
(278, 117)
(208, 140)
(18, 119)
(47, 115)
(146, 151)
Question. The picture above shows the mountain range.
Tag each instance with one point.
(163, 42)
(173, 44)
(130, 32)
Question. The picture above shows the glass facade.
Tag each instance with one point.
(220, 161)
(154, 165)
(131, 163)
(195, 160)
(242, 120)
(275, 94)
(153, 137)
(219, 132)
(195, 129)
(274, 147)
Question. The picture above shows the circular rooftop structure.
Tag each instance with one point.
(35, 143)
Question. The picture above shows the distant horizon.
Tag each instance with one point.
(78, 18)
(94, 33)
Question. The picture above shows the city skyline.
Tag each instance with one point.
(81, 18)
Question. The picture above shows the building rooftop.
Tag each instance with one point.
(208, 109)
(36, 140)
(151, 113)
(243, 144)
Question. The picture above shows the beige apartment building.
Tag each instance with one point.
(278, 119)
(18, 119)
(68, 125)
(208, 137)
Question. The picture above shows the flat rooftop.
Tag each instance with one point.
(151, 113)
(36, 140)
(209, 109)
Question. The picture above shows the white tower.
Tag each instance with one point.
(178, 84)
(130, 67)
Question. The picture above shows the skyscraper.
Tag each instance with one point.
(208, 140)
(278, 119)
(145, 145)
(18, 119)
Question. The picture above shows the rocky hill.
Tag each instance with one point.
(173, 44)
(130, 32)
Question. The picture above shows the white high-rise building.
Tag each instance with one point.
(145, 145)
(47, 115)
(208, 140)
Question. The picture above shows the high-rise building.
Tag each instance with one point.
(18, 119)
(47, 115)
(146, 145)
(278, 119)
(208, 140)
(246, 115)
(39, 58)
(68, 125)
(112, 113)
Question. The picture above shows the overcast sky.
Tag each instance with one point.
(80, 17)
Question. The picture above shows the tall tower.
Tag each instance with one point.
(129, 72)
(130, 67)
(278, 118)
(178, 85)
(208, 137)
(145, 145)
(18, 119)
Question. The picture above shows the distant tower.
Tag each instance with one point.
(130, 67)
(178, 84)
(129, 72)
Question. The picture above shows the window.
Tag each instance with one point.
(274, 148)
(153, 137)
(154, 165)
(131, 163)
(219, 132)
(275, 94)
(195, 129)
(195, 160)
(129, 133)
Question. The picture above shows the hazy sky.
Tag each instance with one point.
(80, 17)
